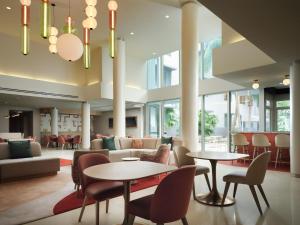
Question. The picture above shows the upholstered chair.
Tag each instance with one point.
(182, 159)
(260, 141)
(282, 142)
(61, 141)
(76, 141)
(253, 176)
(240, 141)
(162, 155)
(170, 201)
(95, 189)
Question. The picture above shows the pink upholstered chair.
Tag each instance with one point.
(76, 141)
(170, 201)
(61, 141)
(95, 189)
(162, 155)
(1, 140)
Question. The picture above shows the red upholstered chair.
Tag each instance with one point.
(170, 201)
(162, 155)
(1, 140)
(95, 189)
(61, 141)
(76, 141)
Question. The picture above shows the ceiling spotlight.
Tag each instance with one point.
(8, 7)
(167, 16)
(255, 84)
(286, 80)
(131, 33)
(154, 53)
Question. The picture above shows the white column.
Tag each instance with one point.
(54, 121)
(190, 79)
(262, 114)
(119, 70)
(86, 125)
(295, 119)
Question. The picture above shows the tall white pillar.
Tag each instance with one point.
(190, 79)
(86, 125)
(295, 119)
(54, 121)
(119, 70)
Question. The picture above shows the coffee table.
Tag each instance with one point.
(127, 172)
(214, 198)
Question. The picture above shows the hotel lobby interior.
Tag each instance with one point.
(149, 112)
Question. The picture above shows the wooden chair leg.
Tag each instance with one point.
(107, 205)
(97, 212)
(254, 152)
(194, 191)
(234, 189)
(207, 181)
(225, 192)
(277, 155)
(130, 219)
(252, 188)
(263, 195)
(184, 221)
(82, 208)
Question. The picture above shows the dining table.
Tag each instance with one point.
(214, 198)
(127, 172)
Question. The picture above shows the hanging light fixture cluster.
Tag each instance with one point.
(25, 12)
(53, 32)
(45, 8)
(112, 7)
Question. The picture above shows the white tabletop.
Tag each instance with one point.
(126, 171)
(223, 156)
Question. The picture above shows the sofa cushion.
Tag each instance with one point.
(149, 143)
(19, 149)
(109, 143)
(137, 143)
(125, 143)
(96, 144)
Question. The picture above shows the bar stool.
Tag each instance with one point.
(240, 140)
(260, 141)
(282, 142)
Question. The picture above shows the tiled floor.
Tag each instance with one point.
(282, 191)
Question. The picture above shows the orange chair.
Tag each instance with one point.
(162, 155)
(61, 141)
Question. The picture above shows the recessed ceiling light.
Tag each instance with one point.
(131, 33)
(153, 53)
(8, 7)
(167, 16)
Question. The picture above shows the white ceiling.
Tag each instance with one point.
(146, 18)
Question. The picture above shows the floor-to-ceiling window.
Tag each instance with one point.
(283, 115)
(171, 118)
(153, 73)
(170, 66)
(154, 119)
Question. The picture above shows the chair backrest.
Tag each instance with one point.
(257, 169)
(181, 158)
(260, 140)
(162, 155)
(77, 139)
(172, 196)
(88, 160)
(61, 139)
(282, 140)
(239, 140)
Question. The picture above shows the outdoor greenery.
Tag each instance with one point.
(171, 118)
(211, 121)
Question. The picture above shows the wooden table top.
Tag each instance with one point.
(127, 171)
(223, 156)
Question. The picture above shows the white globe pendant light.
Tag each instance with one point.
(112, 5)
(91, 2)
(53, 31)
(26, 2)
(53, 49)
(91, 11)
(90, 23)
(69, 47)
(52, 40)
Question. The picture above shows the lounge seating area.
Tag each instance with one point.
(149, 112)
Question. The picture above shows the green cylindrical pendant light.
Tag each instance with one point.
(45, 18)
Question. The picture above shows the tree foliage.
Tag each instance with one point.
(211, 121)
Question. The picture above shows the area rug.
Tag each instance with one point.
(271, 166)
(74, 200)
(65, 162)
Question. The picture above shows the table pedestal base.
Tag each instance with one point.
(213, 199)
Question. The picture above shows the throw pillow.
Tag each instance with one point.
(137, 143)
(19, 149)
(109, 143)
(167, 141)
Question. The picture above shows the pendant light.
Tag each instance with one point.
(45, 9)
(286, 80)
(112, 6)
(255, 84)
(25, 16)
(69, 46)
(53, 34)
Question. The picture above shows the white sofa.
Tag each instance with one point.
(125, 149)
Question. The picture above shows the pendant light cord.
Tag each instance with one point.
(69, 7)
(53, 14)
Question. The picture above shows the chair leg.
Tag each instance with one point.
(130, 219)
(194, 191)
(252, 188)
(82, 208)
(235, 188)
(254, 152)
(107, 205)
(225, 192)
(184, 221)
(97, 212)
(244, 153)
(207, 181)
(263, 195)
(277, 155)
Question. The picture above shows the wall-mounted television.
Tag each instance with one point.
(131, 122)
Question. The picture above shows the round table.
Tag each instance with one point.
(214, 198)
(126, 172)
(128, 159)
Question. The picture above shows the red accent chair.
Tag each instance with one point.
(76, 141)
(170, 201)
(95, 189)
(61, 141)
(162, 155)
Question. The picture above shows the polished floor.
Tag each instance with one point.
(282, 191)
